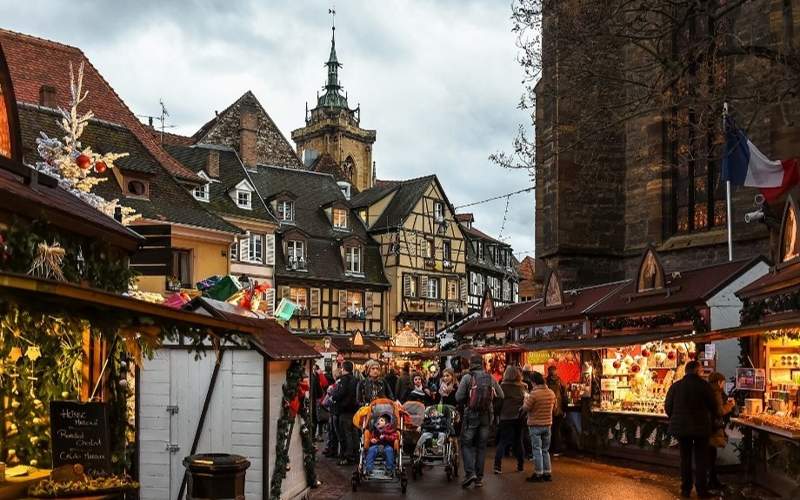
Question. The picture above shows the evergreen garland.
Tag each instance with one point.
(291, 389)
(689, 314)
(754, 310)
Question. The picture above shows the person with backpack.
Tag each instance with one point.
(477, 391)
(539, 404)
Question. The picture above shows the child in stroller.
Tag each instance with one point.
(436, 445)
(383, 437)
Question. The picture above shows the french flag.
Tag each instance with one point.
(744, 165)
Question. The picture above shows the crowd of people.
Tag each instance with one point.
(525, 407)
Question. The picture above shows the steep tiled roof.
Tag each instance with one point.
(408, 194)
(686, 288)
(169, 201)
(314, 191)
(576, 304)
(370, 196)
(170, 138)
(231, 173)
(325, 164)
(35, 62)
(503, 316)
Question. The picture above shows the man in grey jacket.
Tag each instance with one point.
(476, 391)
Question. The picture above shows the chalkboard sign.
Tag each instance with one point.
(80, 435)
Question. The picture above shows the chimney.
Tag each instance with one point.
(47, 96)
(212, 164)
(248, 128)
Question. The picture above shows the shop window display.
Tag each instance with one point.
(637, 378)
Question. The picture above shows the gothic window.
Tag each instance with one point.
(651, 274)
(349, 168)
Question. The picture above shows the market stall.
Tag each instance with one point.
(768, 374)
(644, 334)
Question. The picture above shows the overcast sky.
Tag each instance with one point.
(437, 79)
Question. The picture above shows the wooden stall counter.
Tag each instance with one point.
(16, 487)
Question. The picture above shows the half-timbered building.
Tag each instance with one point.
(325, 261)
(491, 267)
(423, 252)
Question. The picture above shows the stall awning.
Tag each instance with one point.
(616, 341)
(345, 345)
(268, 336)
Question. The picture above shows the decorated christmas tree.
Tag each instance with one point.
(72, 163)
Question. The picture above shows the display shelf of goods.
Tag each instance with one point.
(82, 486)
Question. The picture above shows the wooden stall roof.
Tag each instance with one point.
(63, 209)
(682, 289)
(345, 345)
(616, 341)
(576, 303)
(779, 279)
(273, 340)
(503, 316)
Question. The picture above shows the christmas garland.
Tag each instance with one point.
(754, 311)
(689, 314)
(294, 404)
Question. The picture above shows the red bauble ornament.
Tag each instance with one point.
(616, 364)
(645, 353)
(671, 355)
(635, 368)
(100, 167)
(83, 161)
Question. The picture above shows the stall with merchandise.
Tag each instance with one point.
(768, 377)
(644, 334)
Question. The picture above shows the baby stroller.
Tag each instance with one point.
(365, 419)
(430, 452)
(416, 413)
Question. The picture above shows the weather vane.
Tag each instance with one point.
(332, 12)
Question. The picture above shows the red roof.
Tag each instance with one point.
(36, 62)
(63, 210)
(778, 280)
(686, 288)
(480, 234)
(500, 321)
(576, 304)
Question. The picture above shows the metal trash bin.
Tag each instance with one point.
(217, 476)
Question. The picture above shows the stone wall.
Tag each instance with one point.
(272, 148)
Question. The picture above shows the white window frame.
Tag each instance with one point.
(246, 202)
(256, 250)
(296, 252)
(233, 253)
(433, 287)
(438, 211)
(353, 260)
(281, 212)
(202, 193)
(342, 212)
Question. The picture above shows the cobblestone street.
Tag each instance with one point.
(574, 478)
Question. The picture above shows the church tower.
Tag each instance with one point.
(333, 132)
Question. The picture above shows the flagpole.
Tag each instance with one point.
(728, 193)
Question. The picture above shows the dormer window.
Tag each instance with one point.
(340, 218)
(353, 260)
(243, 199)
(201, 193)
(295, 255)
(136, 188)
(285, 210)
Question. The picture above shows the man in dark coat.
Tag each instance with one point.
(555, 384)
(691, 408)
(404, 385)
(346, 405)
(391, 380)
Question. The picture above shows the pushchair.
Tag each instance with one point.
(430, 453)
(365, 419)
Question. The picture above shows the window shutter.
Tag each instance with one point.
(270, 301)
(315, 302)
(368, 304)
(406, 285)
(244, 249)
(342, 303)
(234, 252)
(463, 289)
(270, 260)
(423, 286)
(376, 305)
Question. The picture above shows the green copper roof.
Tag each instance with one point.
(333, 98)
